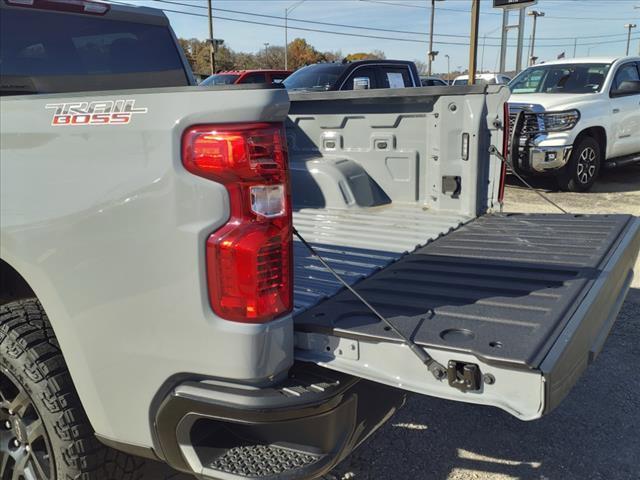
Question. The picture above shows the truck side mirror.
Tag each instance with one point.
(627, 87)
(361, 83)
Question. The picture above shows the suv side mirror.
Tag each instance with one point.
(627, 87)
(361, 83)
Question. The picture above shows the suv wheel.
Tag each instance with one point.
(583, 168)
(44, 431)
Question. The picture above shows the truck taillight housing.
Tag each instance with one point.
(249, 259)
(506, 139)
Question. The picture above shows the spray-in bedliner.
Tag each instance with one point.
(502, 287)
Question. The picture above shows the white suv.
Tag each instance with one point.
(578, 116)
(483, 78)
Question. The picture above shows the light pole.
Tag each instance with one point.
(266, 55)
(431, 54)
(629, 26)
(448, 68)
(535, 14)
(637, 7)
(290, 8)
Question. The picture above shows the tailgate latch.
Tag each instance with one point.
(463, 376)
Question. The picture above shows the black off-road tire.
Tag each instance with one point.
(30, 357)
(583, 168)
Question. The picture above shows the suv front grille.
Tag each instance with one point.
(532, 122)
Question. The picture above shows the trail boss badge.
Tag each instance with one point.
(104, 112)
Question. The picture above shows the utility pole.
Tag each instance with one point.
(287, 10)
(503, 44)
(629, 26)
(266, 55)
(519, 47)
(473, 44)
(431, 54)
(212, 55)
(637, 7)
(575, 46)
(535, 14)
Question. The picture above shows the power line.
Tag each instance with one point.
(446, 9)
(172, 2)
(346, 34)
(290, 19)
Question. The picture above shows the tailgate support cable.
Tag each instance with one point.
(438, 370)
(494, 151)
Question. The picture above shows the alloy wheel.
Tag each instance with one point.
(25, 449)
(587, 165)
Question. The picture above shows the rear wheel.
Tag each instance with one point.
(583, 168)
(44, 432)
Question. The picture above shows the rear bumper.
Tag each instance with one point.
(299, 429)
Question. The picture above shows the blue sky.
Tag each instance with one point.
(594, 23)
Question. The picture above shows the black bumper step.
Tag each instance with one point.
(263, 461)
(298, 428)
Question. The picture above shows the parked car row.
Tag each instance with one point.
(360, 75)
(238, 77)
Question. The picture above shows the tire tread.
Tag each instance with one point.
(34, 358)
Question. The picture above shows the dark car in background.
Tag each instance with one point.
(428, 81)
(234, 77)
(360, 75)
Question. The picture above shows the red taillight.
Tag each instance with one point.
(249, 266)
(505, 152)
(76, 6)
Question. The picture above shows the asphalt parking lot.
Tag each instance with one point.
(592, 435)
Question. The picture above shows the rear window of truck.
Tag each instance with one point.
(50, 52)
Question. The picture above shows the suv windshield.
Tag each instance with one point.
(566, 78)
(315, 77)
(220, 79)
(51, 52)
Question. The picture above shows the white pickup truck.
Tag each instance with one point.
(578, 116)
(154, 302)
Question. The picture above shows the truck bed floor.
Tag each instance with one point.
(501, 287)
(357, 242)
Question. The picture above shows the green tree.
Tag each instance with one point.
(301, 53)
(373, 55)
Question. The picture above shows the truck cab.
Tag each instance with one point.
(360, 75)
(571, 118)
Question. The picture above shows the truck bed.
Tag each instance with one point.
(358, 242)
(501, 287)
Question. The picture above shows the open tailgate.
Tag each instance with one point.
(515, 305)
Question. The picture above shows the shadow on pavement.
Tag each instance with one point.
(592, 435)
(617, 180)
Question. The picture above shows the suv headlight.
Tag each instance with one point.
(559, 121)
